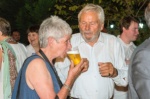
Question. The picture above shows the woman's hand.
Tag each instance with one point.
(76, 70)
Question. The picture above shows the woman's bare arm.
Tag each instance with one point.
(39, 79)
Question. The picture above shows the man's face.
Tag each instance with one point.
(89, 25)
(16, 36)
(132, 32)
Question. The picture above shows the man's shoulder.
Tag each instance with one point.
(21, 44)
(107, 35)
(143, 47)
(145, 44)
(76, 35)
(28, 46)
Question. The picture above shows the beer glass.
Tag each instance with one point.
(74, 55)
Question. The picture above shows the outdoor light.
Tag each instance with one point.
(141, 25)
(111, 26)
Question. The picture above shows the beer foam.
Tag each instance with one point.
(72, 52)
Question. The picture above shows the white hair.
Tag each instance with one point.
(92, 7)
(147, 15)
(53, 27)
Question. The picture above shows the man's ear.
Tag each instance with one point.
(0, 33)
(123, 28)
(101, 26)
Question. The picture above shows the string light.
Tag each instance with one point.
(111, 26)
(141, 25)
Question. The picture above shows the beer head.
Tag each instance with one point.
(74, 56)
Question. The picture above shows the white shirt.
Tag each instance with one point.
(127, 51)
(90, 84)
(21, 54)
(30, 50)
(128, 48)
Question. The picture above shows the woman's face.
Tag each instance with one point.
(63, 45)
(33, 38)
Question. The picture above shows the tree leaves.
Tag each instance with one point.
(27, 12)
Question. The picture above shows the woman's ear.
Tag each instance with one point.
(51, 41)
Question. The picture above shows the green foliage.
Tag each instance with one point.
(121, 8)
(68, 11)
(33, 13)
(24, 13)
(9, 9)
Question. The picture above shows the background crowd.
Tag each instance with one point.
(42, 70)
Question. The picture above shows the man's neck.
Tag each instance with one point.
(92, 42)
(124, 39)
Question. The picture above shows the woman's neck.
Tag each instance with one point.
(48, 55)
(36, 48)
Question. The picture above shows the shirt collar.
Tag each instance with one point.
(100, 38)
(124, 44)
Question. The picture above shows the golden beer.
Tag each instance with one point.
(74, 56)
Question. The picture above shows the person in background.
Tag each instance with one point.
(12, 56)
(16, 35)
(106, 64)
(38, 78)
(33, 38)
(129, 32)
(139, 68)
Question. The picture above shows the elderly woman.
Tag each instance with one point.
(38, 78)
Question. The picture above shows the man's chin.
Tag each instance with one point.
(87, 39)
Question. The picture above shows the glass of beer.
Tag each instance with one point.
(74, 55)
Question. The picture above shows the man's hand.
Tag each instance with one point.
(107, 69)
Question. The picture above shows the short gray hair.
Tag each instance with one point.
(147, 15)
(92, 7)
(53, 27)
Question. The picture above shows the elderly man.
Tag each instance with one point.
(106, 64)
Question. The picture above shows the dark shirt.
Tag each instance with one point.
(22, 90)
